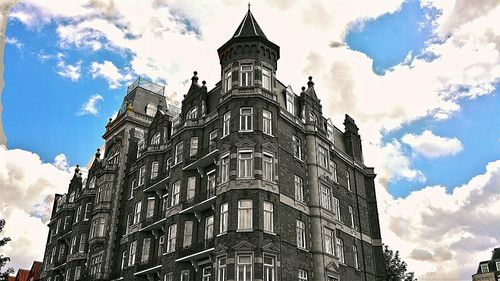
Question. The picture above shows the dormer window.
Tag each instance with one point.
(114, 156)
(228, 80)
(155, 140)
(150, 110)
(290, 102)
(246, 75)
(484, 268)
(266, 78)
(192, 113)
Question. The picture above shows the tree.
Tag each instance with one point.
(395, 268)
(4, 260)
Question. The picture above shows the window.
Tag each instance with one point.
(312, 118)
(333, 168)
(185, 275)
(164, 204)
(245, 167)
(62, 250)
(192, 113)
(351, 215)
(98, 227)
(326, 199)
(267, 165)
(95, 265)
(92, 183)
(78, 212)
(498, 265)
(73, 245)
(221, 269)
(155, 140)
(154, 170)
(206, 274)
(484, 268)
(178, 153)
(191, 188)
(211, 184)
(268, 217)
(228, 80)
(53, 255)
(188, 233)
(124, 259)
(224, 171)
(267, 126)
(131, 253)
(245, 215)
(81, 247)
(269, 268)
(129, 222)
(246, 75)
(168, 277)
(67, 276)
(290, 102)
(58, 225)
(355, 252)
(266, 78)
(299, 189)
(193, 148)
(172, 233)
(150, 110)
(176, 187)
(226, 124)
(212, 144)
(331, 278)
(78, 272)
(323, 157)
(329, 131)
(142, 174)
(340, 250)
(297, 147)
(244, 267)
(246, 119)
(301, 234)
(167, 167)
(146, 246)
(209, 227)
(329, 241)
(336, 208)
(71, 198)
(348, 180)
(302, 275)
(161, 244)
(137, 212)
(224, 209)
(141, 145)
(151, 207)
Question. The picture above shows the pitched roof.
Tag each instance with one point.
(249, 27)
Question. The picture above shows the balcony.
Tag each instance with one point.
(102, 207)
(204, 161)
(76, 256)
(157, 185)
(200, 203)
(195, 252)
(154, 223)
(152, 266)
(87, 192)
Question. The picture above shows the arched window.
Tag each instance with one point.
(155, 139)
(114, 156)
(150, 110)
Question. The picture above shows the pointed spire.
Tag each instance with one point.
(249, 27)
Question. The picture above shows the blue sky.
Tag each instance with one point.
(420, 78)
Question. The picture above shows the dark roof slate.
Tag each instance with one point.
(249, 27)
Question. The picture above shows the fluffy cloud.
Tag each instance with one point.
(432, 146)
(71, 71)
(27, 186)
(14, 41)
(110, 73)
(90, 107)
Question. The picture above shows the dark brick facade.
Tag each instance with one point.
(246, 144)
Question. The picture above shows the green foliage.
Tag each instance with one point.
(4, 260)
(395, 268)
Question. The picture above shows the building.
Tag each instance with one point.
(489, 270)
(32, 274)
(247, 181)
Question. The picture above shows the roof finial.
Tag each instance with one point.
(249, 6)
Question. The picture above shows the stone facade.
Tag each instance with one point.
(246, 181)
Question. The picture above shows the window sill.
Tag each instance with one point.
(245, 131)
(267, 134)
(302, 249)
(244, 230)
(221, 234)
(269, 233)
(296, 158)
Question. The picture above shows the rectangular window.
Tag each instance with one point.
(224, 171)
(146, 246)
(142, 174)
(246, 119)
(329, 241)
(326, 199)
(171, 240)
(336, 208)
(185, 275)
(78, 272)
(168, 277)
(301, 234)
(267, 165)
(498, 265)
(245, 209)
(151, 207)
(333, 168)
(67, 277)
(268, 217)
(206, 273)
(297, 147)
(191, 188)
(245, 167)
(226, 124)
(81, 247)
(124, 259)
(269, 271)
(188, 233)
(140, 148)
(154, 170)
(228, 80)
(302, 275)
(484, 268)
(78, 212)
(348, 180)
(53, 255)
(244, 268)
(211, 184)
(176, 188)
(164, 203)
(161, 245)
(58, 225)
(192, 113)
(137, 212)
(246, 75)
(355, 252)
(266, 78)
(73, 245)
(267, 126)
(290, 102)
(193, 148)
(224, 209)
(132, 186)
(209, 227)
(351, 215)
(299, 189)
(323, 157)
(212, 144)
(129, 223)
(340, 250)
(67, 221)
(167, 167)
(131, 253)
(179, 148)
(221, 269)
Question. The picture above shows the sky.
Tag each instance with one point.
(420, 77)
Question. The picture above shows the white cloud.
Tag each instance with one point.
(90, 106)
(432, 146)
(61, 162)
(71, 71)
(14, 41)
(110, 72)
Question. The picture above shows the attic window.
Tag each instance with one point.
(484, 268)
(155, 140)
(192, 113)
(150, 110)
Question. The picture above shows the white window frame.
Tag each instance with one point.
(168, 277)
(302, 275)
(78, 213)
(81, 244)
(206, 273)
(301, 234)
(484, 268)
(154, 169)
(224, 174)
(212, 142)
(142, 174)
(245, 215)
(356, 258)
(211, 184)
(92, 183)
(246, 266)
(323, 156)
(268, 166)
(150, 207)
(269, 269)
(326, 197)
(297, 147)
(188, 234)
(226, 125)
(131, 253)
(191, 188)
(176, 188)
(351, 215)
(224, 215)
(248, 164)
(348, 180)
(179, 150)
(299, 189)
(193, 146)
(192, 113)
(329, 241)
(336, 208)
(124, 260)
(86, 215)
(185, 275)
(268, 211)
(228, 80)
(246, 119)
(267, 78)
(267, 122)
(155, 139)
(146, 250)
(209, 228)
(222, 268)
(333, 168)
(171, 238)
(340, 250)
(78, 272)
(247, 74)
(290, 102)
